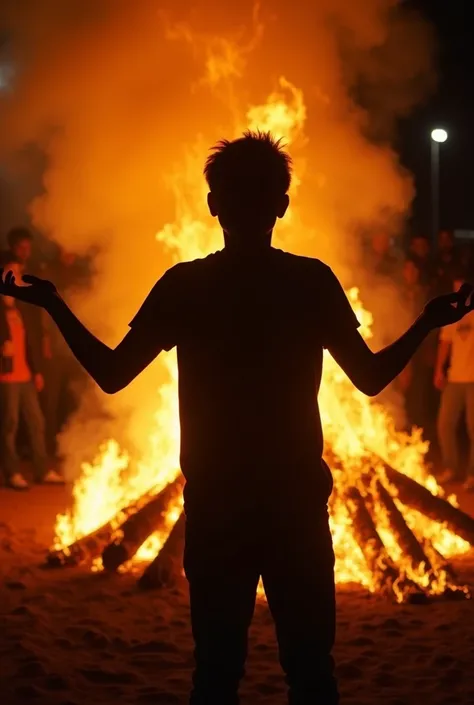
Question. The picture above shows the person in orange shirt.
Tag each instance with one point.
(20, 382)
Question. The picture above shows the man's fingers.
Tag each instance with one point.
(10, 279)
(465, 291)
(31, 279)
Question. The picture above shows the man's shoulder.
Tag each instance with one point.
(188, 267)
(191, 271)
(286, 263)
(302, 263)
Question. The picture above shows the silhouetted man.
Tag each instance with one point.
(250, 324)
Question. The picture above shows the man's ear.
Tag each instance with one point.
(212, 204)
(283, 206)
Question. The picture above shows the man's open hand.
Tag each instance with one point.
(38, 291)
(449, 308)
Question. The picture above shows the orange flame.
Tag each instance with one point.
(356, 428)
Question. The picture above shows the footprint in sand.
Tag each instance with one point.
(100, 676)
(443, 660)
(63, 643)
(15, 585)
(31, 669)
(154, 647)
(368, 627)
(349, 671)
(443, 627)
(95, 639)
(385, 680)
(56, 682)
(158, 698)
(28, 692)
(360, 641)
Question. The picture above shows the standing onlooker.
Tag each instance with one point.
(416, 380)
(466, 258)
(380, 257)
(20, 252)
(20, 247)
(456, 348)
(419, 251)
(446, 262)
(20, 381)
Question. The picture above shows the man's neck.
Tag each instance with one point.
(252, 245)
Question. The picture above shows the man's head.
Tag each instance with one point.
(445, 241)
(20, 243)
(381, 242)
(411, 272)
(248, 181)
(420, 246)
(66, 257)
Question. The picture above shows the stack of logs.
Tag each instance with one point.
(370, 503)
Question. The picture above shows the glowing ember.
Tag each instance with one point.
(357, 430)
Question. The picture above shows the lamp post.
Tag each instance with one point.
(438, 136)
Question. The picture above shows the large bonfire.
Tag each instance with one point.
(393, 529)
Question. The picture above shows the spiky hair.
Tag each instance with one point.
(255, 161)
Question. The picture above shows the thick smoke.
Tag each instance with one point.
(115, 94)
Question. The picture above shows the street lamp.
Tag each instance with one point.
(438, 136)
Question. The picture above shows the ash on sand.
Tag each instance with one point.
(71, 637)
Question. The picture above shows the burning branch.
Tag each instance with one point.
(86, 548)
(414, 495)
(139, 526)
(163, 569)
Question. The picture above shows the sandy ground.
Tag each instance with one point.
(70, 637)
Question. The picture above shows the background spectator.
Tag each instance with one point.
(446, 262)
(466, 259)
(456, 352)
(416, 381)
(420, 252)
(20, 248)
(381, 258)
(20, 381)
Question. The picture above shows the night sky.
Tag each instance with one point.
(452, 107)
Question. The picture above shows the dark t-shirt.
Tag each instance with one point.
(250, 334)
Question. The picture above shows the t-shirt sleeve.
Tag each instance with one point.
(337, 313)
(160, 316)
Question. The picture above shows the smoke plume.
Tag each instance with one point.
(120, 95)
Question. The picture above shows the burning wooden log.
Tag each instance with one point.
(90, 546)
(378, 561)
(386, 576)
(446, 574)
(439, 562)
(164, 568)
(414, 495)
(405, 537)
(138, 527)
(86, 548)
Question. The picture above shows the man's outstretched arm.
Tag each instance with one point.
(112, 368)
(371, 372)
